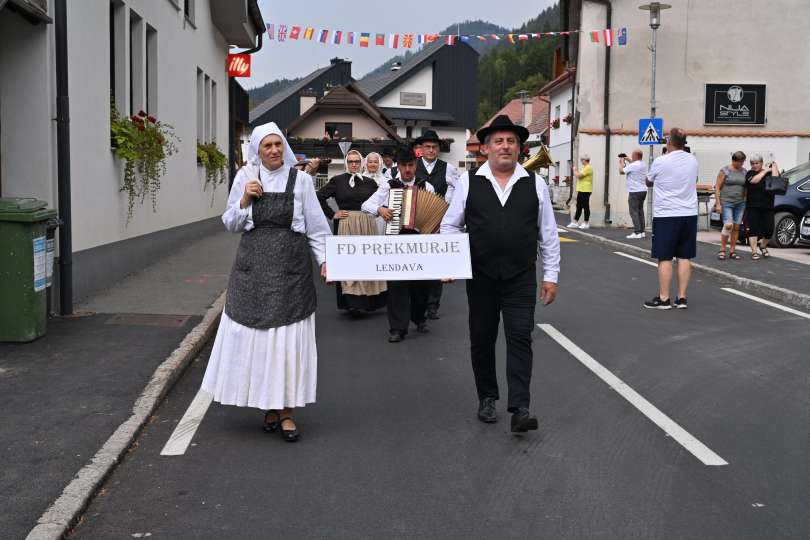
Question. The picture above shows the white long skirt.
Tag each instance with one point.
(266, 369)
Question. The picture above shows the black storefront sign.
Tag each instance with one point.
(735, 104)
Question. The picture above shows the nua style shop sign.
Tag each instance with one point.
(735, 104)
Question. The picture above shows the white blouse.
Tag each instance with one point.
(308, 217)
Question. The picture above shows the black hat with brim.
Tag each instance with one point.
(503, 123)
(405, 155)
(428, 135)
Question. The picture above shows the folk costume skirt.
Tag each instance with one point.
(360, 295)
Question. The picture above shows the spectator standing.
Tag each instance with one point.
(584, 190)
(636, 173)
(730, 200)
(759, 205)
(674, 176)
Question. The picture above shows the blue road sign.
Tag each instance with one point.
(650, 131)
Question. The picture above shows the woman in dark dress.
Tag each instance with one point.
(759, 204)
(349, 191)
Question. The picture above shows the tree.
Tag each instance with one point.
(531, 84)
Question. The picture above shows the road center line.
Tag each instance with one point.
(768, 303)
(639, 259)
(185, 430)
(683, 437)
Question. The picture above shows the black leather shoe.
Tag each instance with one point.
(289, 435)
(486, 410)
(395, 337)
(433, 315)
(523, 421)
(270, 421)
(422, 328)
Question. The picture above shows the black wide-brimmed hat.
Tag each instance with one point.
(428, 135)
(503, 123)
(405, 155)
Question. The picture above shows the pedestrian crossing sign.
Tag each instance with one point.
(651, 131)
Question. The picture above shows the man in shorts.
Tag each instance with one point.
(674, 179)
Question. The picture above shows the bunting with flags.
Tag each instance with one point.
(283, 33)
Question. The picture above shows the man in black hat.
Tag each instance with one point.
(507, 213)
(407, 300)
(389, 168)
(443, 176)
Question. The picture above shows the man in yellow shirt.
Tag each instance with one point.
(584, 190)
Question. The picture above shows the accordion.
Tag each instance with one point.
(415, 210)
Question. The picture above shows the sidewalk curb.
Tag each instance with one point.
(772, 291)
(62, 514)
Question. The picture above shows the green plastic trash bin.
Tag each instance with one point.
(23, 268)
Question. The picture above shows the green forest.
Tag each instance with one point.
(504, 69)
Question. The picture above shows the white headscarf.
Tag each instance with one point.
(358, 175)
(256, 138)
(378, 176)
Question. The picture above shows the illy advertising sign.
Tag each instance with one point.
(238, 65)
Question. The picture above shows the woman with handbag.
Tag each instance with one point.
(759, 203)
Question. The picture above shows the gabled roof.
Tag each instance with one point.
(287, 92)
(375, 86)
(348, 98)
(559, 81)
(514, 110)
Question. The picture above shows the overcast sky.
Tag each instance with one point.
(298, 58)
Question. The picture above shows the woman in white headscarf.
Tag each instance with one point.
(349, 191)
(372, 167)
(264, 354)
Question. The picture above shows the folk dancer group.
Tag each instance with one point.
(265, 355)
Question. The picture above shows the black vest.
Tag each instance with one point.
(438, 177)
(503, 239)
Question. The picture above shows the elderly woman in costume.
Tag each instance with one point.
(264, 354)
(349, 191)
(372, 168)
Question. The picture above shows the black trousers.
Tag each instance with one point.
(434, 295)
(516, 299)
(407, 301)
(583, 203)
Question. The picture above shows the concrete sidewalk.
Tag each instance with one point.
(787, 269)
(65, 395)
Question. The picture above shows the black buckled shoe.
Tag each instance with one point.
(269, 425)
(395, 337)
(523, 421)
(486, 410)
(422, 328)
(289, 435)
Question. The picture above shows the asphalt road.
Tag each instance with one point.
(393, 449)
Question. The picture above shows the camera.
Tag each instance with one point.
(623, 155)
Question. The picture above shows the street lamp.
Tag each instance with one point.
(655, 22)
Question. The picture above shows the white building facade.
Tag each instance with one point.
(165, 57)
(697, 45)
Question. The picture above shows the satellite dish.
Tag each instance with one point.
(344, 147)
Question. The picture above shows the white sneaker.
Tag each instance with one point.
(573, 225)
(642, 235)
(585, 225)
(633, 236)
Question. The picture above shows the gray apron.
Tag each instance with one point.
(271, 281)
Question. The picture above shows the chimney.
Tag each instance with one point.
(308, 99)
(528, 112)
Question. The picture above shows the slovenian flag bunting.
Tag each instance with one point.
(323, 37)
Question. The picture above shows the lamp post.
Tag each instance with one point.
(655, 22)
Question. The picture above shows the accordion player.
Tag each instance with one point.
(415, 211)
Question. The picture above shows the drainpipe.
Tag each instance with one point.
(63, 160)
(606, 117)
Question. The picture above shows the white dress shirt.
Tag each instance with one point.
(451, 176)
(308, 217)
(674, 176)
(548, 241)
(380, 197)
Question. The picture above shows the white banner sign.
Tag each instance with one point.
(398, 257)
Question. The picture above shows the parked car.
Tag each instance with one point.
(790, 208)
(804, 231)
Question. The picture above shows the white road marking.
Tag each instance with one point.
(684, 438)
(768, 303)
(561, 230)
(639, 259)
(185, 430)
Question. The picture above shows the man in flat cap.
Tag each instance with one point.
(506, 210)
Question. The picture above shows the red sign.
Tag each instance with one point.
(238, 65)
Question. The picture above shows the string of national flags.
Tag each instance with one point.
(283, 32)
